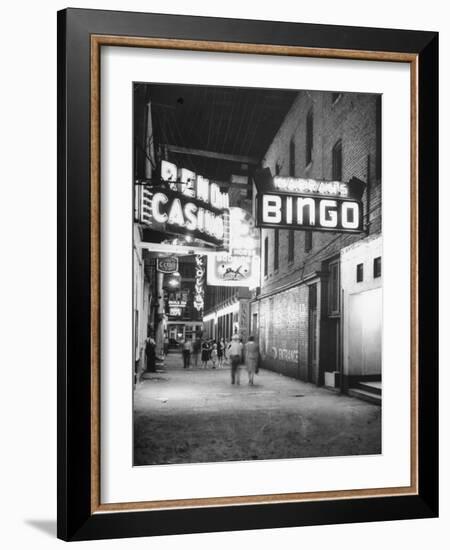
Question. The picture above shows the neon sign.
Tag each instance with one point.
(167, 264)
(175, 211)
(310, 186)
(182, 202)
(175, 311)
(239, 267)
(306, 212)
(199, 291)
(302, 203)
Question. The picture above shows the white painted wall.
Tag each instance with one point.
(362, 308)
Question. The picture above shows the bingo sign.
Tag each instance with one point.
(167, 265)
(308, 204)
(239, 266)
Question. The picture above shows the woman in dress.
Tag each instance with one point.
(251, 358)
(220, 352)
(205, 354)
(214, 355)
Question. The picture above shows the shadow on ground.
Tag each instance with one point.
(46, 526)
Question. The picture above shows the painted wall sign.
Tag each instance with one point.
(228, 270)
(167, 265)
(239, 267)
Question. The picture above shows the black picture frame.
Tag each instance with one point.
(77, 518)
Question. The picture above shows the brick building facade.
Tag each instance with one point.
(298, 313)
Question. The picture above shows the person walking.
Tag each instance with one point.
(251, 358)
(235, 352)
(196, 350)
(187, 350)
(205, 354)
(220, 352)
(214, 355)
(226, 345)
(150, 354)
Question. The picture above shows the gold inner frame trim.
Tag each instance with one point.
(97, 41)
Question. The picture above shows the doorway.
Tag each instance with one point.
(313, 355)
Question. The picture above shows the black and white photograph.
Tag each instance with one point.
(257, 274)
(225, 253)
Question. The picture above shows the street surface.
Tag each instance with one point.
(196, 415)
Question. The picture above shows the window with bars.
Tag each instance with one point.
(309, 137)
(291, 245)
(337, 161)
(266, 256)
(360, 273)
(292, 158)
(334, 289)
(377, 267)
(276, 243)
(308, 241)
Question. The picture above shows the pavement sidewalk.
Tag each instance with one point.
(196, 415)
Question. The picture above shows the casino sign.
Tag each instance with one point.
(308, 204)
(184, 203)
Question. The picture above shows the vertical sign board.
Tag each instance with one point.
(240, 265)
(199, 288)
(298, 203)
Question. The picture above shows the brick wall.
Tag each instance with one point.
(351, 119)
(283, 331)
(282, 305)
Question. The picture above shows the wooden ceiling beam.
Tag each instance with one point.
(244, 159)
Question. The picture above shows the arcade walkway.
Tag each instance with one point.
(196, 415)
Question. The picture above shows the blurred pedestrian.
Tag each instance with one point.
(214, 355)
(251, 358)
(235, 352)
(150, 354)
(220, 352)
(196, 350)
(187, 350)
(205, 354)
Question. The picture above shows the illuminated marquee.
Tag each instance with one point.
(298, 203)
(302, 212)
(310, 186)
(239, 267)
(185, 203)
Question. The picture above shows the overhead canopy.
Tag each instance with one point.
(236, 125)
